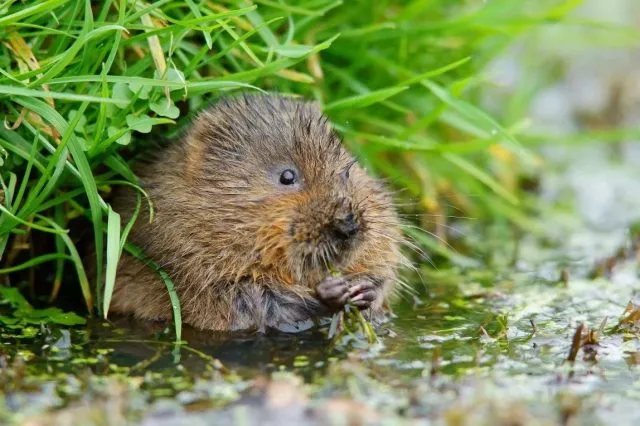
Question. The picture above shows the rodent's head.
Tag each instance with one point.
(269, 185)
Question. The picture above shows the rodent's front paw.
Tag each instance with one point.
(335, 292)
(362, 293)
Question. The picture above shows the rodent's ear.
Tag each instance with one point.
(203, 141)
(194, 157)
(213, 134)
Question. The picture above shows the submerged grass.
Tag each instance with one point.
(86, 86)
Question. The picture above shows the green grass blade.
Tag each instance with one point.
(482, 176)
(32, 93)
(35, 261)
(25, 178)
(113, 256)
(59, 217)
(364, 100)
(9, 214)
(24, 13)
(196, 11)
(168, 282)
(134, 216)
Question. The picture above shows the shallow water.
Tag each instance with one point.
(482, 346)
(486, 345)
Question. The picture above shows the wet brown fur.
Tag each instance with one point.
(244, 252)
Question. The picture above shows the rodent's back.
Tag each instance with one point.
(253, 207)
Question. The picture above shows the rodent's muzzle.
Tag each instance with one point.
(329, 227)
(345, 228)
(325, 232)
(345, 224)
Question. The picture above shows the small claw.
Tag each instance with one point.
(356, 298)
(361, 287)
(368, 296)
(363, 294)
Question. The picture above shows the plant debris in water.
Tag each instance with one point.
(21, 314)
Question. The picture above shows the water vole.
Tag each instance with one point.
(254, 207)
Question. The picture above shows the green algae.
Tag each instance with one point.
(21, 314)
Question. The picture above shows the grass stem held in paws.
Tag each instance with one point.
(350, 320)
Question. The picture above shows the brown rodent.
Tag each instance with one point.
(254, 208)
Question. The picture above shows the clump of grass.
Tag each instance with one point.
(85, 86)
(351, 322)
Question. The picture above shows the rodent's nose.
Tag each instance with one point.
(346, 227)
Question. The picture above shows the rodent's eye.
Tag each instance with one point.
(288, 177)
